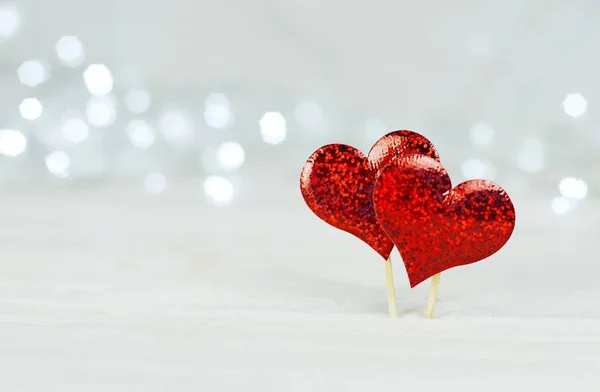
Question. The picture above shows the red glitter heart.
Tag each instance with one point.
(434, 226)
(337, 184)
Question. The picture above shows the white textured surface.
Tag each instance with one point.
(115, 290)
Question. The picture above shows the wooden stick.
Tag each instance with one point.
(435, 283)
(391, 291)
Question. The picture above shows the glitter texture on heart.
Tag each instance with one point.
(337, 183)
(434, 226)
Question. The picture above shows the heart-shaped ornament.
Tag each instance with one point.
(337, 183)
(434, 226)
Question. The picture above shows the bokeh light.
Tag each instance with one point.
(273, 128)
(217, 113)
(10, 20)
(561, 205)
(230, 155)
(33, 73)
(219, 190)
(140, 134)
(575, 104)
(31, 108)
(74, 130)
(217, 99)
(58, 163)
(216, 116)
(12, 142)
(98, 79)
(100, 112)
(69, 50)
(176, 127)
(573, 188)
(138, 101)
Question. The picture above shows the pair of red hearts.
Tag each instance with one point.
(401, 195)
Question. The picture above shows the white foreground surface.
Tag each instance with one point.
(117, 291)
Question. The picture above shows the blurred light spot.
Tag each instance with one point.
(309, 114)
(473, 168)
(575, 104)
(530, 156)
(32, 73)
(100, 112)
(70, 50)
(231, 155)
(561, 205)
(273, 128)
(31, 109)
(573, 188)
(75, 130)
(374, 129)
(175, 127)
(138, 101)
(217, 116)
(155, 183)
(98, 79)
(217, 113)
(140, 133)
(9, 21)
(217, 99)
(218, 189)
(482, 134)
(12, 143)
(58, 163)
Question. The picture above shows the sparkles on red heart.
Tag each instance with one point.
(337, 184)
(434, 226)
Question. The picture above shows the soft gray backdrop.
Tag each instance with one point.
(153, 233)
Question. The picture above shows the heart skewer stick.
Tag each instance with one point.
(436, 227)
(391, 290)
(337, 183)
(433, 291)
